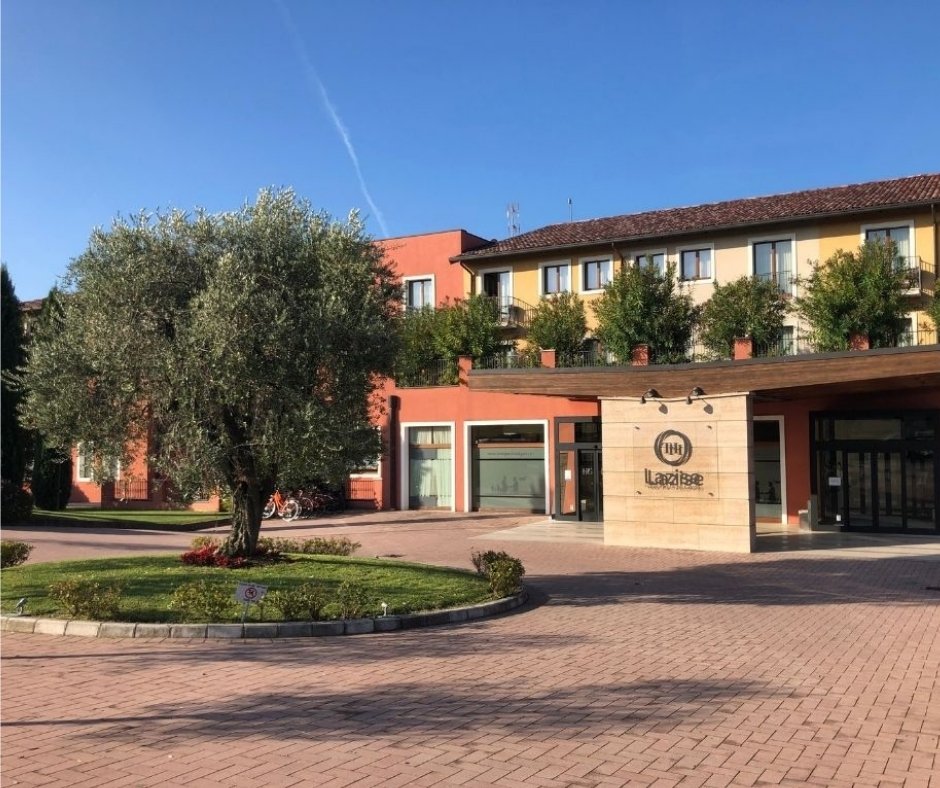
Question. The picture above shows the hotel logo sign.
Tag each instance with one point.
(673, 448)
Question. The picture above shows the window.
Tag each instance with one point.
(555, 278)
(696, 264)
(86, 463)
(419, 293)
(900, 236)
(773, 260)
(596, 274)
(655, 260)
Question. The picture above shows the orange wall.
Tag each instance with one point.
(456, 404)
(797, 425)
(418, 255)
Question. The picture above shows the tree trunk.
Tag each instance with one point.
(246, 518)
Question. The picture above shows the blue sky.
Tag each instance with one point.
(453, 109)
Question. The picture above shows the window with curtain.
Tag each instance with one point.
(555, 278)
(657, 261)
(696, 264)
(899, 236)
(773, 260)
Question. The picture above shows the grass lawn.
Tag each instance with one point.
(150, 581)
(132, 518)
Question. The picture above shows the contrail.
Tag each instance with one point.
(315, 80)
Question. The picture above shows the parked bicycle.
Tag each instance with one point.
(286, 507)
(318, 502)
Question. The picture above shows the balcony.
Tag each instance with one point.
(921, 275)
(513, 312)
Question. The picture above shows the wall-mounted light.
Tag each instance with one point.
(698, 391)
(650, 394)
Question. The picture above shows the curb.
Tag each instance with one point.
(255, 630)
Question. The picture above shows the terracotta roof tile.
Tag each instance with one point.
(918, 189)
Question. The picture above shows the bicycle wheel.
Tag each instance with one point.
(306, 505)
(268, 512)
(291, 510)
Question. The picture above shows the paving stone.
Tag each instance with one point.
(188, 630)
(358, 626)
(115, 629)
(225, 631)
(18, 623)
(293, 629)
(632, 667)
(152, 631)
(50, 626)
(261, 630)
(87, 629)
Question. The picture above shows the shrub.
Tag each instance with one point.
(747, 307)
(199, 542)
(16, 502)
(352, 600)
(640, 305)
(502, 570)
(559, 324)
(482, 561)
(304, 602)
(13, 553)
(933, 309)
(91, 599)
(329, 546)
(203, 601)
(51, 480)
(213, 555)
(505, 575)
(859, 292)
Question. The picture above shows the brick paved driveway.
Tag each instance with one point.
(634, 667)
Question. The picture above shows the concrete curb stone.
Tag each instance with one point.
(286, 629)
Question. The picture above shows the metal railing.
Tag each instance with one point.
(131, 490)
(786, 281)
(921, 275)
(509, 361)
(442, 372)
(512, 312)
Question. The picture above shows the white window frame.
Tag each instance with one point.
(909, 223)
(554, 264)
(503, 269)
(791, 237)
(582, 271)
(419, 278)
(80, 448)
(405, 467)
(468, 457)
(690, 248)
(651, 252)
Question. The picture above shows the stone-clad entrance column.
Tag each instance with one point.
(679, 474)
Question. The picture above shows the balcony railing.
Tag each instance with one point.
(509, 361)
(921, 275)
(513, 312)
(785, 280)
(442, 372)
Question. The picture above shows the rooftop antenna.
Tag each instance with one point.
(570, 210)
(512, 219)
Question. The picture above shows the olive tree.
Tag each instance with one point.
(247, 344)
(640, 305)
(746, 307)
(858, 292)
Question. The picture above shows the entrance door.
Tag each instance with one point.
(496, 284)
(579, 491)
(589, 494)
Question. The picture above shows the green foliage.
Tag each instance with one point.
(250, 343)
(201, 542)
(90, 599)
(559, 323)
(302, 602)
(13, 553)
(933, 310)
(13, 438)
(502, 570)
(642, 306)
(467, 327)
(16, 502)
(855, 292)
(505, 577)
(203, 600)
(417, 329)
(318, 545)
(51, 480)
(353, 600)
(747, 307)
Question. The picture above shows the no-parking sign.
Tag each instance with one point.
(250, 592)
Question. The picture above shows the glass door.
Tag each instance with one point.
(589, 495)
(579, 490)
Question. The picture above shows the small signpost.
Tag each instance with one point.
(247, 593)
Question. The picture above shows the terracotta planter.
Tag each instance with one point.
(858, 341)
(640, 356)
(743, 348)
